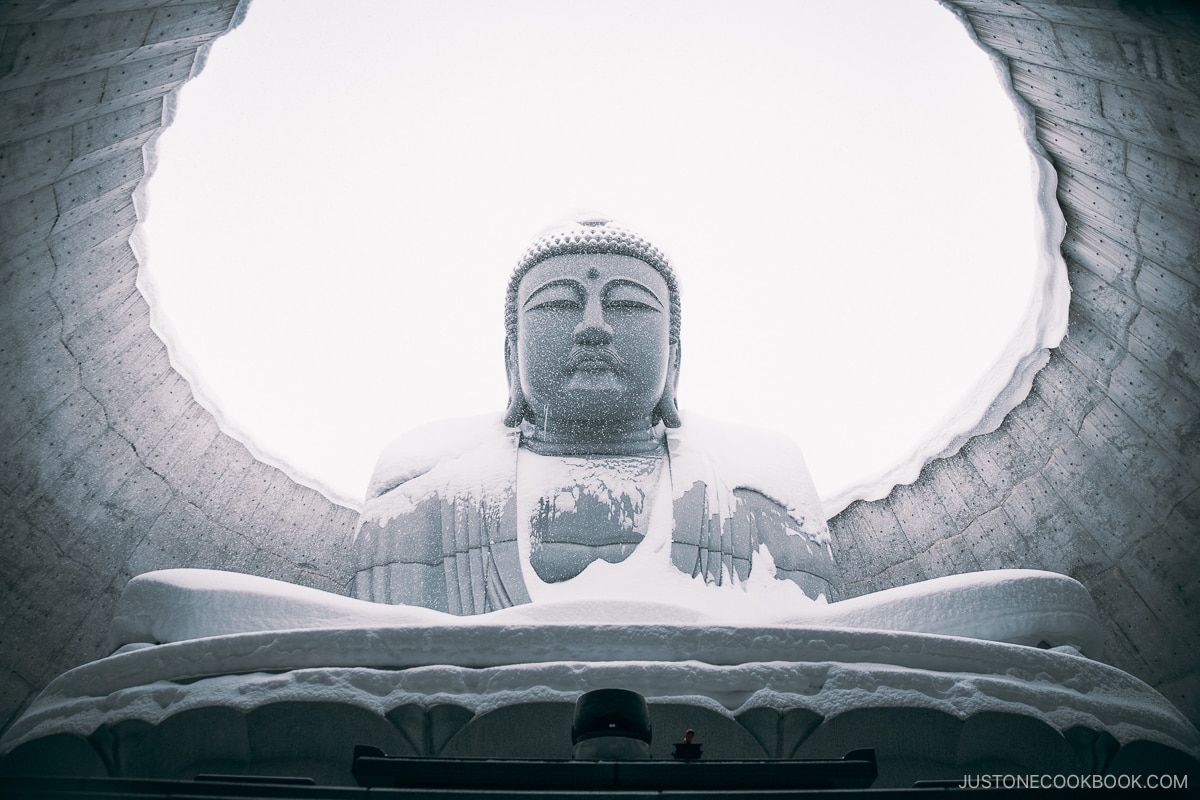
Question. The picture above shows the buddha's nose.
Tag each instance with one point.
(592, 329)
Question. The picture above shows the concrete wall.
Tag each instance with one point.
(109, 468)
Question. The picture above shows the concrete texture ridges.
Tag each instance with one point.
(108, 467)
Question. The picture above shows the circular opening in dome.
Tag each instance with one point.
(864, 239)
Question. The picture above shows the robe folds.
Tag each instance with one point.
(439, 528)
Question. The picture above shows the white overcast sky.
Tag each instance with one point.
(842, 187)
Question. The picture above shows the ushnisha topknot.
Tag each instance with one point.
(591, 235)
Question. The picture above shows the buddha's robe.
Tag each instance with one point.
(439, 528)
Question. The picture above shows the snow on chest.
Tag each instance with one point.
(574, 511)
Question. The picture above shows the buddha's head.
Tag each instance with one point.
(592, 333)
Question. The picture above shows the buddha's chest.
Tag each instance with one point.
(573, 511)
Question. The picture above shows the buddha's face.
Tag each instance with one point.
(593, 340)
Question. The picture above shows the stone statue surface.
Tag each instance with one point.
(592, 463)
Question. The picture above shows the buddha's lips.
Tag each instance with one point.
(593, 359)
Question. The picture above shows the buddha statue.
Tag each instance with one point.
(593, 537)
(592, 461)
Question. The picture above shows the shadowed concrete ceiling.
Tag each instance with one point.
(109, 467)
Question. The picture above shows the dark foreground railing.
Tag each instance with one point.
(372, 768)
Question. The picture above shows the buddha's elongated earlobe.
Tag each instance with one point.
(517, 407)
(668, 407)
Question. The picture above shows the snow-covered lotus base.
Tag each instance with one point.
(216, 672)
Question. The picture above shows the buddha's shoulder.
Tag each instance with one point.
(421, 450)
(745, 457)
(736, 443)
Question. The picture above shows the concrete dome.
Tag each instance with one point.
(110, 468)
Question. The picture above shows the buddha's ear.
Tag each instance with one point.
(517, 407)
(668, 406)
